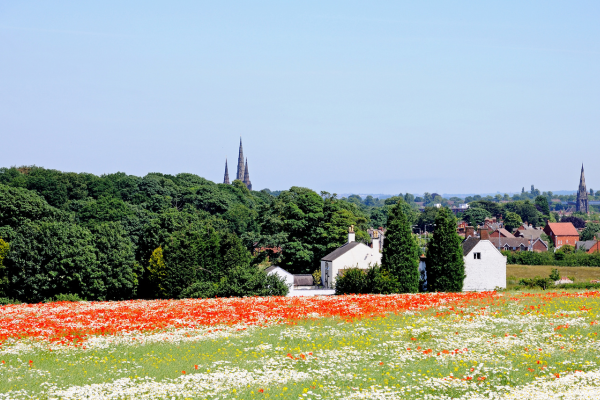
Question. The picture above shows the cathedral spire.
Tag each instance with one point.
(582, 198)
(226, 177)
(582, 179)
(240, 166)
(247, 177)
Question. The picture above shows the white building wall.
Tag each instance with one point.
(282, 273)
(486, 273)
(360, 257)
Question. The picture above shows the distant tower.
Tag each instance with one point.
(226, 177)
(240, 166)
(582, 198)
(247, 177)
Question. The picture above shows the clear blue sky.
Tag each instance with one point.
(363, 97)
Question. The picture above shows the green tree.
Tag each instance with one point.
(495, 209)
(426, 219)
(401, 252)
(512, 221)
(157, 273)
(445, 263)
(541, 203)
(526, 210)
(591, 230)
(50, 258)
(4, 249)
(116, 257)
(476, 216)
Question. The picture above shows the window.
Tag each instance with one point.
(477, 256)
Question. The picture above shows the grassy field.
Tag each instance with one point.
(581, 274)
(508, 345)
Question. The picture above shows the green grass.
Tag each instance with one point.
(350, 356)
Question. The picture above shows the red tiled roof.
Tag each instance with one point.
(563, 229)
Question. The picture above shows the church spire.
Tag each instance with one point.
(226, 177)
(247, 177)
(582, 198)
(240, 166)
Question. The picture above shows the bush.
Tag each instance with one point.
(531, 283)
(554, 274)
(579, 285)
(64, 297)
(354, 281)
(5, 301)
(375, 280)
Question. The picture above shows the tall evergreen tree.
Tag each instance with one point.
(445, 263)
(400, 251)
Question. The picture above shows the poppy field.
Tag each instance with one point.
(414, 346)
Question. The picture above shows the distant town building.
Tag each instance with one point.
(589, 246)
(242, 173)
(562, 233)
(529, 232)
(581, 204)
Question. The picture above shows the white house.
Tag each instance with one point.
(485, 266)
(351, 255)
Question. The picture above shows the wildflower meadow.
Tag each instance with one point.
(411, 346)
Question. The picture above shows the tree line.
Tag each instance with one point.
(119, 236)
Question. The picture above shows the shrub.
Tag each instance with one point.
(579, 285)
(542, 283)
(353, 281)
(375, 280)
(5, 301)
(64, 297)
(554, 274)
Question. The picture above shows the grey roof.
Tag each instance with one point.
(511, 242)
(340, 251)
(586, 245)
(469, 243)
(529, 233)
(303, 280)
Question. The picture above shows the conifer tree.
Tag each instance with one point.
(400, 251)
(445, 263)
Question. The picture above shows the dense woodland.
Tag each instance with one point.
(120, 236)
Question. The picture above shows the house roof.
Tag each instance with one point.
(586, 245)
(303, 280)
(563, 229)
(511, 242)
(469, 243)
(505, 233)
(529, 233)
(340, 251)
(274, 267)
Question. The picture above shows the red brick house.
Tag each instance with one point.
(539, 246)
(595, 248)
(562, 233)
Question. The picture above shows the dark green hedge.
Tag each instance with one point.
(577, 259)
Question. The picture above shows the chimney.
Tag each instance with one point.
(375, 241)
(484, 234)
(351, 235)
(469, 231)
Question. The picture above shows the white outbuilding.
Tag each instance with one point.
(283, 274)
(353, 254)
(485, 266)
